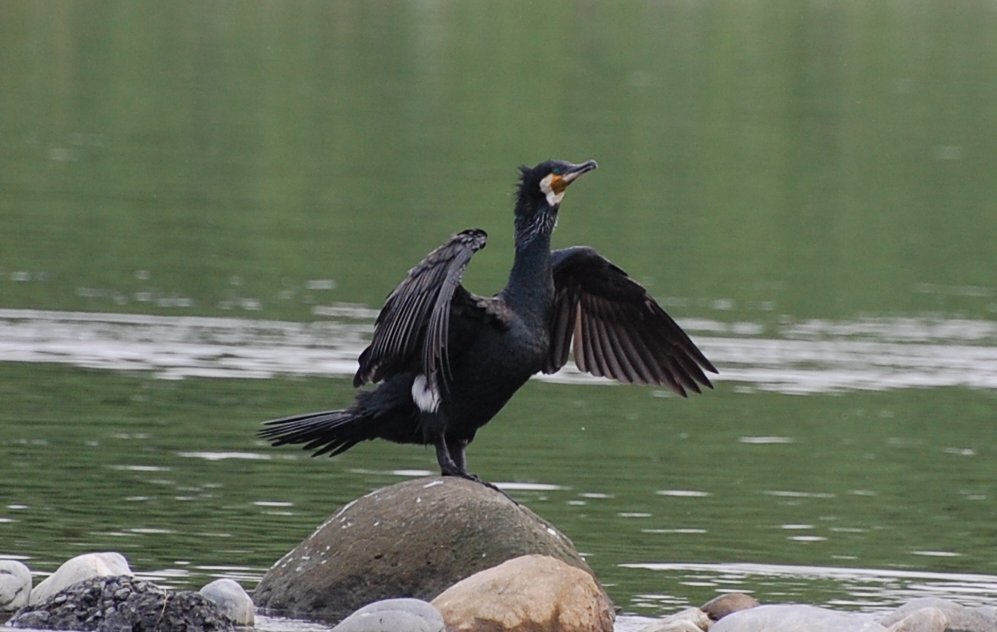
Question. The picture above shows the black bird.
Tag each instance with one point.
(445, 361)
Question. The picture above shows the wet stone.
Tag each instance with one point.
(122, 602)
(15, 585)
(723, 605)
(416, 538)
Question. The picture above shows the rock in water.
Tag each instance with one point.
(413, 539)
(122, 603)
(394, 615)
(232, 600)
(958, 617)
(15, 585)
(77, 569)
(530, 593)
(793, 618)
(923, 620)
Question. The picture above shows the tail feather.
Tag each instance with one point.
(329, 432)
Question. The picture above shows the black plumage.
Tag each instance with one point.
(445, 361)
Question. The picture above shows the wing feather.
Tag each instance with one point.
(413, 327)
(561, 330)
(581, 342)
(607, 340)
(630, 366)
(616, 328)
(653, 371)
(591, 342)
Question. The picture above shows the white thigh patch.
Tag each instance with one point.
(425, 396)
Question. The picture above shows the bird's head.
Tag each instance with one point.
(541, 189)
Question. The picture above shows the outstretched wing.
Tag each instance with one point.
(618, 329)
(414, 323)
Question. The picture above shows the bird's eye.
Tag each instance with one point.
(556, 171)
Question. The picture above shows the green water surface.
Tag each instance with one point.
(760, 162)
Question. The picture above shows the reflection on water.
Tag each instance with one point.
(808, 357)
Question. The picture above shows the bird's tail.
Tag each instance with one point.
(329, 432)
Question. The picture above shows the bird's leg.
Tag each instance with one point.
(448, 466)
(450, 455)
(434, 428)
(455, 449)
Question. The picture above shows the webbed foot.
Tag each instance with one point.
(477, 479)
(450, 466)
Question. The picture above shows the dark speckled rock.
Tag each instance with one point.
(122, 602)
(413, 539)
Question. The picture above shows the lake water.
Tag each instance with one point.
(202, 208)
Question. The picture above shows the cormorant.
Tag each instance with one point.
(445, 361)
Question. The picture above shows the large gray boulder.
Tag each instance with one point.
(413, 539)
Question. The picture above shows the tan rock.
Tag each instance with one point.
(533, 593)
(721, 606)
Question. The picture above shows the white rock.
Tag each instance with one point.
(791, 618)
(923, 620)
(233, 601)
(15, 585)
(688, 620)
(394, 615)
(958, 617)
(76, 570)
(673, 626)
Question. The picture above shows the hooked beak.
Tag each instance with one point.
(577, 170)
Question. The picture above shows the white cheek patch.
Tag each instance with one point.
(553, 197)
(426, 398)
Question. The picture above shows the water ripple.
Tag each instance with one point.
(800, 358)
